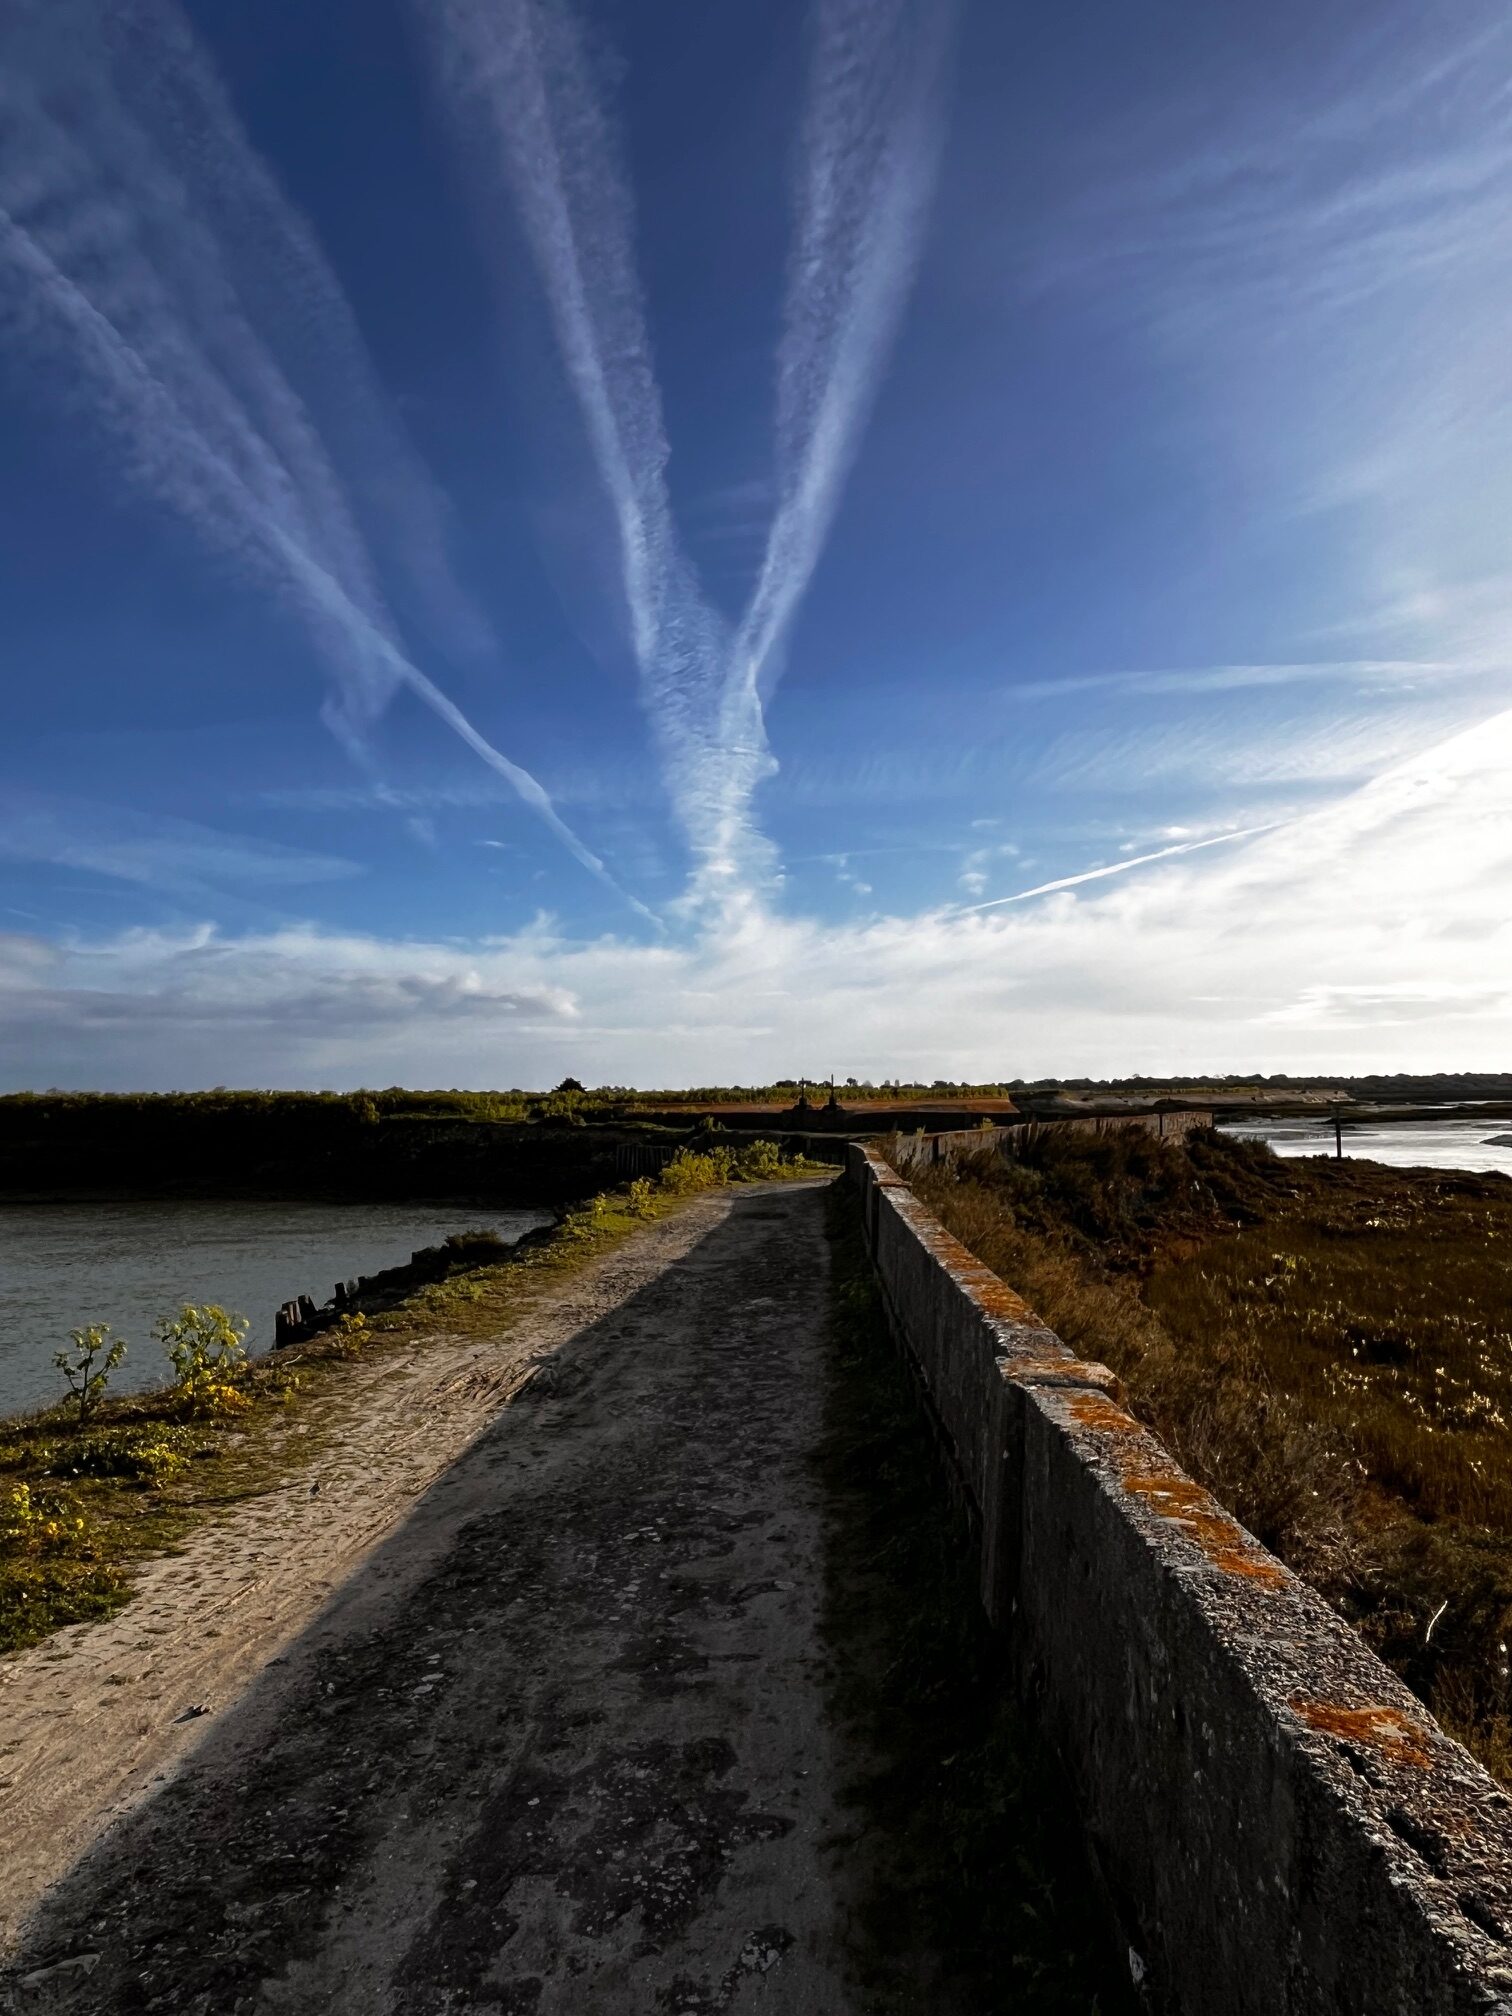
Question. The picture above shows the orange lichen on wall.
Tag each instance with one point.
(1375, 1727)
(1096, 1410)
(1058, 1368)
(1169, 1493)
(993, 1295)
(998, 1300)
(1222, 1539)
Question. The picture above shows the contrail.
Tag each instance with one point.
(182, 470)
(516, 74)
(1115, 868)
(284, 290)
(168, 310)
(516, 77)
(868, 161)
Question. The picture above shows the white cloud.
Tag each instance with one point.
(1373, 935)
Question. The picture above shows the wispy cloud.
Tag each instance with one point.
(1367, 673)
(1339, 747)
(154, 275)
(868, 156)
(1318, 244)
(518, 78)
(1100, 873)
(154, 851)
(1390, 170)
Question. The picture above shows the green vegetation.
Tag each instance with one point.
(971, 1850)
(84, 1495)
(1326, 1346)
(87, 1367)
(206, 1349)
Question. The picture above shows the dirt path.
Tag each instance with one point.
(555, 1743)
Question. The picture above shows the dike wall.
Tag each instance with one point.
(909, 1150)
(1280, 1826)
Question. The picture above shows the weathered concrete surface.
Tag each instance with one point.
(561, 1745)
(1282, 1826)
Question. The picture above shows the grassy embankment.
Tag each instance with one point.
(1326, 1346)
(966, 1846)
(82, 1502)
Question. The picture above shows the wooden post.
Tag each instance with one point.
(1338, 1136)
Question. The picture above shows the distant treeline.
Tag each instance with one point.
(571, 1099)
(514, 1104)
(1386, 1086)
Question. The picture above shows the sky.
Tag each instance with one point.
(693, 544)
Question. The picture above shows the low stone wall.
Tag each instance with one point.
(1281, 1826)
(909, 1150)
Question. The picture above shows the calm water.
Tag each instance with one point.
(65, 1265)
(1405, 1144)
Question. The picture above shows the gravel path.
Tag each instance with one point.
(559, 1742)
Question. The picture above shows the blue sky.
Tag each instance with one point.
(689, 543)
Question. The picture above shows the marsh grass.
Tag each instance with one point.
(82, 1502)
(1326, 1346)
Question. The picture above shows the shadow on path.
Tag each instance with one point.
(559, 1744)
(567, 1742)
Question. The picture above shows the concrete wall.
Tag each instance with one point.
(1280, 1824)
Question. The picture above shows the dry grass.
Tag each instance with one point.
(1327, 1347)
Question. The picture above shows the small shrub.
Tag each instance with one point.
(694, 1169)
(687, 1172)
(586, 1222)
(762, 1159)
(39, 1594)
(642, 1198)
(348, 1334)
(34, 1523)
(17, 1516)
(206, 1349)
(151, 1456)
(87, 1368)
